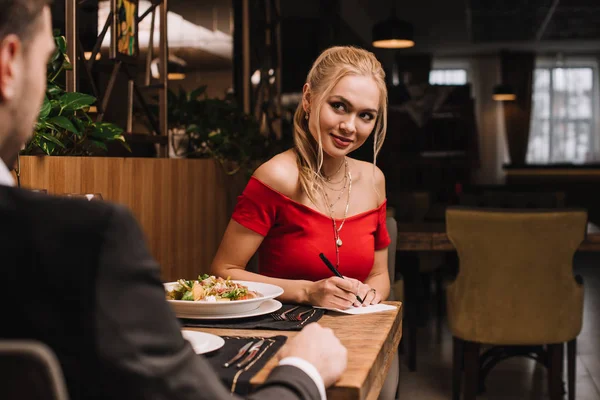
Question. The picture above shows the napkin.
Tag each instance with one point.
(238, 380)
(363, 310)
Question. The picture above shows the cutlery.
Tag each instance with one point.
(299, 316)
(251, 354)
(239, 354)
(283, 316)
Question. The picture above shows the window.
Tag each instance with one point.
(448, 76)
(562, 120)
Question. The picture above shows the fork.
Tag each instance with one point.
(299, 316)
(283, 316)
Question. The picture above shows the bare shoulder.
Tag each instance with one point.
(280, 173)
(371, 175)
(368, 171)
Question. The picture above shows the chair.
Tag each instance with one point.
(515, 288)
(392, 228)
(30, 370)
(410, 206)
(417, 268)
(391, 385)
(513, 199)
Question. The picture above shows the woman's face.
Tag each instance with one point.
(348, 115)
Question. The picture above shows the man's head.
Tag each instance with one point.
(26, 43)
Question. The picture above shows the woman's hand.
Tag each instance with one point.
(368, 295)
(334, 292)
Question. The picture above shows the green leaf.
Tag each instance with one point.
(47, 148)
(106, 130)
(75, 101)
(53, 89)
(64, 123)
(124, 144)
(44, 125)
(51, 139)
(45, 110)
(67, 63)
(61, 43)
(193, 128)
(197, 92)
(55, 105)
(99, 144)
(80, 124)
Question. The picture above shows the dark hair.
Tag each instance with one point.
(20, 17)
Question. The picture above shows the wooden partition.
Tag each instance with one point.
(183, 205)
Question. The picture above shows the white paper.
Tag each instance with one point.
(363, 310)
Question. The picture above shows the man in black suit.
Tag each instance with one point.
(77, 275)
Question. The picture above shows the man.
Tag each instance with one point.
(78, 276)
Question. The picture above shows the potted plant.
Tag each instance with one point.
(203, 127)
(64, 126)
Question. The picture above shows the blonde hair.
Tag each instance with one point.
(328, 69)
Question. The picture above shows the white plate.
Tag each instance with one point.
(266, 307)
(205, 308)
(203, 342)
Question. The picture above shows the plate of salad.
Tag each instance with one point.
(209, 295)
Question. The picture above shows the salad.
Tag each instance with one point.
(211, 289)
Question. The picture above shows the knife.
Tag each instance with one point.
(251, 354)
(239, 354)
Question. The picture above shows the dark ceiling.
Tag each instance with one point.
(442, 27)
(446, 27)
(519, 20)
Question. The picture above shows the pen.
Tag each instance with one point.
(335, 272)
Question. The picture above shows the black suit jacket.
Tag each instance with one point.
(78, 276)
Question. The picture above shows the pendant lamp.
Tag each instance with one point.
(504, 92)
(393, 33)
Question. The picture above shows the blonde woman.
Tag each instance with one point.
(315, 199)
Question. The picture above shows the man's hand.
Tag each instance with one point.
(320, 347)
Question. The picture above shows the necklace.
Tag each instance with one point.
(336, 229)
(341, 191)
(344, 162)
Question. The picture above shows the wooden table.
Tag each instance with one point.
(372, 342)
(431, 236)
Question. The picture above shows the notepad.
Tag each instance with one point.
(363, 310)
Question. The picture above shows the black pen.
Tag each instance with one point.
(336, 272)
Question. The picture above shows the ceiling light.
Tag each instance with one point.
(393, 33)
(504, 92)
(88, 55)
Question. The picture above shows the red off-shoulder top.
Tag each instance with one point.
(295, 234)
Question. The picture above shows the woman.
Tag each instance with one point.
(315, 199)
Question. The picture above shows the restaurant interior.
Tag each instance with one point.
(491, 163)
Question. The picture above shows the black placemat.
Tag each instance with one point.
(238, 380)
(261, 322)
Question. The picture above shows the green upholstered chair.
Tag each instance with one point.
(515, 288)
(513, 199)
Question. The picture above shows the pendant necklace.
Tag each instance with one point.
(336, 229)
